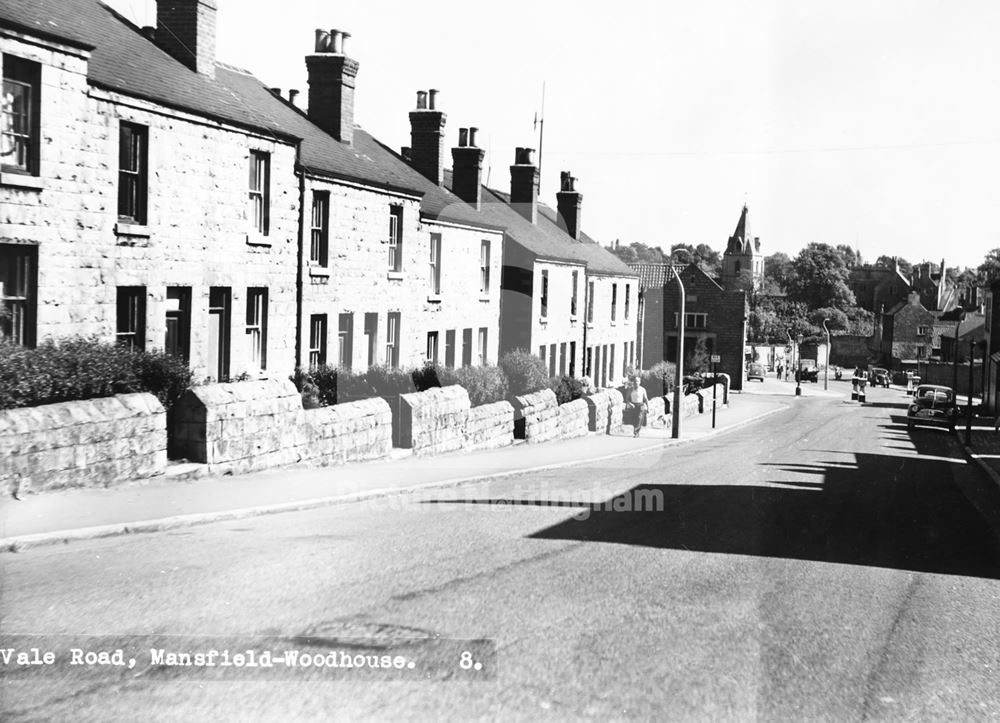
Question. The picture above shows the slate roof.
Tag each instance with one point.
(654, 275)
(545, 239)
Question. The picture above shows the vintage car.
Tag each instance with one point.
(808, 371)
(933, 404)
(878, 377)
(755, 371)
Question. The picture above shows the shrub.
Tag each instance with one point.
(525, 372)
(428, 376)
(485, 385)
(659, 379)
(85, 368)
(567, 388)
(381, 381)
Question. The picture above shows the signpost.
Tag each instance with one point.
(715, 360)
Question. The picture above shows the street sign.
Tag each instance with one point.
(716, 358)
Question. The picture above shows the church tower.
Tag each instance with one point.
(742, 259)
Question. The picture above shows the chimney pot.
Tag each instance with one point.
(323, 40)
(336, 42)
(406, 153)
(427, 137)
(149, 32)
(292, 95)
(332, 80)
(463, 137)
(275, 91)
(472, 136)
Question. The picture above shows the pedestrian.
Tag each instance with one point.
(637, 403)
(779, 371)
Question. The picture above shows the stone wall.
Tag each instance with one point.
(657, 411)
(90, 443)
(241, 426)
(348, 432)
(605, 411)
(432, 422)
(490, 426)
(574, 419)
(536, 416)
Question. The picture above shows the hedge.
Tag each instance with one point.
(86, 368)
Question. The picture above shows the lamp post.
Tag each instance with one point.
(826, 370)
(679, 374)
(798, 368)
(959, 316)
(968, 418)
(791, 349)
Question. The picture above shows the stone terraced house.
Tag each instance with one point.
(565, 298)
(138, 201)
(152, 195)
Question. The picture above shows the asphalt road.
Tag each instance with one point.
(824, 564)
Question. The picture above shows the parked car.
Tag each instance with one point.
(809, 371)
(933, 404)
(755, 371)
(878, 377)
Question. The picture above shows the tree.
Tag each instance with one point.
(682, 253)
(820, 278)
(989, 270)
(637, 252)
(888, 262)
(851, 256)
(778, 269)
(708, 259)
(697, 359)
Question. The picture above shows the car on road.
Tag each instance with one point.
(755, 371)
(808, 371)
(878, 377)
(933, 404)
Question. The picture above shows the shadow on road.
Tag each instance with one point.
(886, 511)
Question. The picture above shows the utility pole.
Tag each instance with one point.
(968, 418)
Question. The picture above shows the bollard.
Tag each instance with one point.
(854, 390)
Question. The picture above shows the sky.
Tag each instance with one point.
(859, 123)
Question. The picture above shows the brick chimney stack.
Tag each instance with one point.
(467, 167)
(524, 184)
(427, 137)
(331, 85)
(186, 30)
(568, 203)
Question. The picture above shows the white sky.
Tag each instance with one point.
(871, 124)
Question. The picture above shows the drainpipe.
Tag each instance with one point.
(299, 270)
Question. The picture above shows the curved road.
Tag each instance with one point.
(822, 564)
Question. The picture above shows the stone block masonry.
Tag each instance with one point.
(239, 427)
(536, 417)
(605, 411)
(433, 421)
(574, 419)
(490, 426)
(348, 432)
(90, 443)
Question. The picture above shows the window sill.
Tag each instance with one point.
(22, 180)
(395, 275)
(573, 318)
(543, 320)
(256, 239)
(320, 272)
(485, 298)
(132, 229)
(434, 298)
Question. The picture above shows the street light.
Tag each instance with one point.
(798, 369)
(968, 419)
(826, 371)
(679, 375)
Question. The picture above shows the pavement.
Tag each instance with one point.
(169, 502)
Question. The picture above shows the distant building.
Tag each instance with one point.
(908, 332)
(878, 288)
(712, 313)
(742, 261)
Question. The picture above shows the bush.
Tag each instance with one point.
(428, 376)
(381, 381)
(567, 388)
(485, 385)
(83, 368)
(659, 379)
(525, 372)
